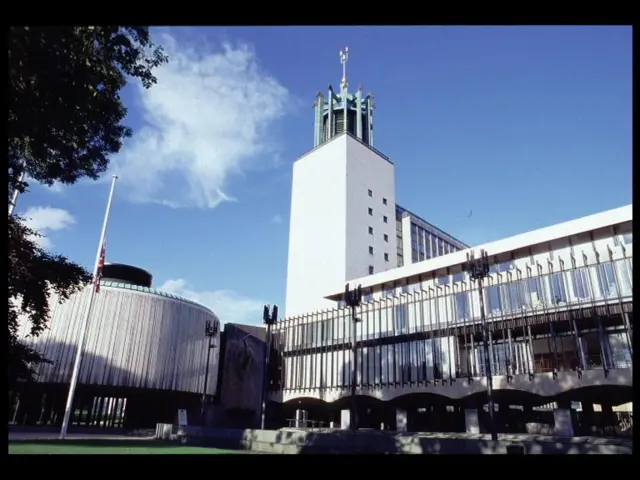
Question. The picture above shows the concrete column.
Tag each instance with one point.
(608, 422)
(345, 419)
(471, 420)
(401, 420)
(563, 422)
(588, 416)
(299, 418)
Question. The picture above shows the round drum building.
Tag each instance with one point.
(145, 356)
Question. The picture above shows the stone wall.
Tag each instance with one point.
(291, 441)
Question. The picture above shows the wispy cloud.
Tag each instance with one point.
(205, 120)
(228, 305)
(45, 220)
(276, 220)
(56, 188)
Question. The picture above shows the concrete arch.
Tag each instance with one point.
(305, 400)
(503, 397)
(419, 399)
(363, 401)
(541, 384)
(600, 394)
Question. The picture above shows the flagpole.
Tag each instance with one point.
(85, 320)
(14, 195)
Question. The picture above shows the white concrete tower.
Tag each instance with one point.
(343, 221)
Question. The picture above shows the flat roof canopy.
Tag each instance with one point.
(504, 247)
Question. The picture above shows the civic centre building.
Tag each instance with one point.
(558, 304)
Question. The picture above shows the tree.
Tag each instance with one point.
(64, 121)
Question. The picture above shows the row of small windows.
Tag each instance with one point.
(384, 200)
(384, 236)
(386, 255)
(385, 219)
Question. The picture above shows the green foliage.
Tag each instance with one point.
(64, 121)
(65, 110)
(33, 274)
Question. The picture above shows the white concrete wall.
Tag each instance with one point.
(317, 231)
(329, 231)
(367, 170)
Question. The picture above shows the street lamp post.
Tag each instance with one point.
(269, 320)
(478, 269)
(210, 332)
(353, 299)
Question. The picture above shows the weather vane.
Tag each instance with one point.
(344, 56)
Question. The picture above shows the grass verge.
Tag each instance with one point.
(91, 448)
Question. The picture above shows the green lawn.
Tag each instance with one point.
(50, 448)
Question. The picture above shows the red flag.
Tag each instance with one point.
(103, 254)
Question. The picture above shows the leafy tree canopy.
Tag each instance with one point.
(64, 121)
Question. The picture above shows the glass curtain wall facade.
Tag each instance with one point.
(570, 312)
(427, 241)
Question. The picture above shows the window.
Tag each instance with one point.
(505, 266)
(386, 237)
(558, 291)
(462, 305)
(624, 276)
(627, 238)
(370, 193)
(580, 280)
(536, 292)
(384, 201)
(370, 230)
(606, 280)
(370, 269)
(401, 314)
(371, 211)
(385, 219)
(370, 250)
(492, 299)
(386, 257)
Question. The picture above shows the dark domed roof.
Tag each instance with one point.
(119, 272)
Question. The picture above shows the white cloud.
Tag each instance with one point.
(56, 188)
(229, 306)
(45, 220)
(205, 119)
(277, 220)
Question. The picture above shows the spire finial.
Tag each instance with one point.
(344, 56)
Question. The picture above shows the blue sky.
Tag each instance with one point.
(526, 126)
